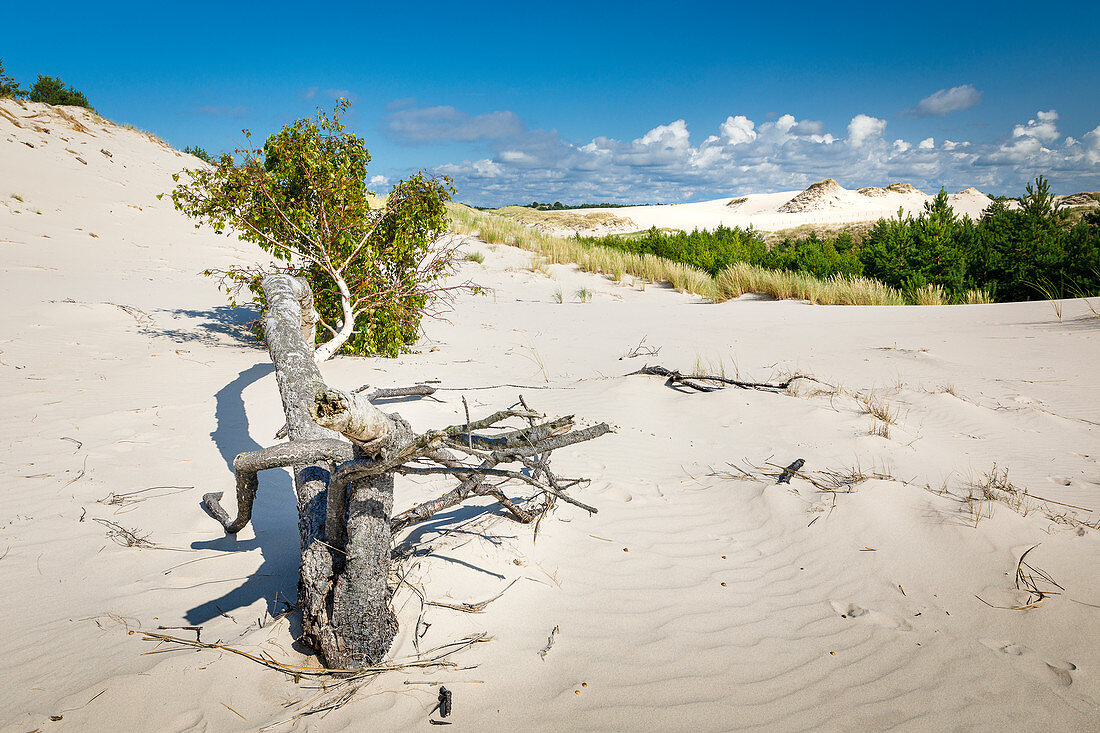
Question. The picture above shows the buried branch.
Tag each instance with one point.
(707, 383)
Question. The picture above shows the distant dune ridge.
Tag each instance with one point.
(825, 203)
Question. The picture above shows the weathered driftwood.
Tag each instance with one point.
(345, 490)
(342, 592)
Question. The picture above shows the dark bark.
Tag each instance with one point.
(337, 609)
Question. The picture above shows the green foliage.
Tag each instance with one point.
(8, 86)
(199, 153)
(710, 251)
(303, 200)
(1020, 253)
(51, 90)
(1013, 253)
(559, 206)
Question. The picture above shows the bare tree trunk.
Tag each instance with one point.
(326, 350)
(342, 591)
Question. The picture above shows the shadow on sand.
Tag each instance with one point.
(274, 518)
(218, 326)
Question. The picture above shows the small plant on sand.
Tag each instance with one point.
(475, 257)
(302, 198)
(879, 428)
(538, 265)
(584, 295)
(879, 409)
(17, 197)
(558, 296)
(1053, 294)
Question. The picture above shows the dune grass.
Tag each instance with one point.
(732, 282)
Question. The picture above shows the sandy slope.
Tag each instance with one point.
(691, 601)
(771, 212)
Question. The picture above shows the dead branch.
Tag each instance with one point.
(472, 607)
(696, 381)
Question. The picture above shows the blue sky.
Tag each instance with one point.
(609, 101)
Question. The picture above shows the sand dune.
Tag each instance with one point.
(822, 203)
(698, 598)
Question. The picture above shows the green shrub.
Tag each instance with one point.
(199, 153)
(51, 90)
(302, 198)
(8, 85)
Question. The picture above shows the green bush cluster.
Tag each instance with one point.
(48, 89)
(1027, 252)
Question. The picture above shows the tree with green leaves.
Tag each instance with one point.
(302, 198)
(51, 90)
(8, 86)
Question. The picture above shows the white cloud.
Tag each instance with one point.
(738, 130)
(1042, 128)
(741, 156)
(946, 101)
(447, 124)
(864, 129)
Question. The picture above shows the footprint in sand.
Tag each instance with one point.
(1055, 671)
(1060, 480)
(866, 615)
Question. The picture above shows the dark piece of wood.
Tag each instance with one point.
(790, 471)
(444, 702)
(694, 381)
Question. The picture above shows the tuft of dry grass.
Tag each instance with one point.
(878, 408)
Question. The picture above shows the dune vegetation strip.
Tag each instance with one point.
(732, 282)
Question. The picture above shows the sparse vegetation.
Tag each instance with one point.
(646, 268)
(475, 257)
(584, 295)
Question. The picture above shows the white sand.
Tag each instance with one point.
(762, 211)
(855, 611)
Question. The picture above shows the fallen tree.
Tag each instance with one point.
(345, 452)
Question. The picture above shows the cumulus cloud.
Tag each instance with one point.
(447, 124)
(742, 156)
(946, 101)
(1042, 128)
(864, 129)
(738, 130)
